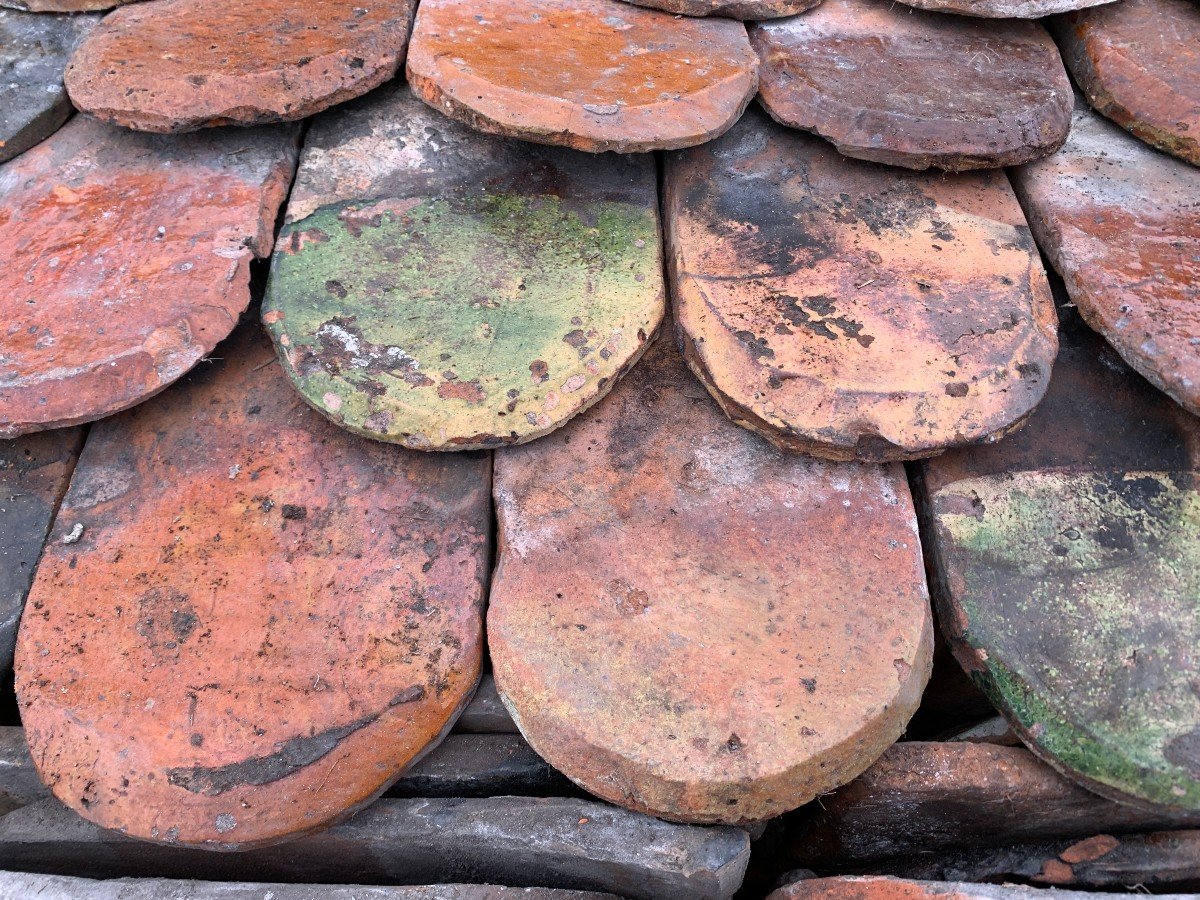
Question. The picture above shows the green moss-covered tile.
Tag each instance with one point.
(1069, 578)
(447, 290)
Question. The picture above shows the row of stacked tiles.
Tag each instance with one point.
(883, 83)
(1117, 219)
(683, 619)
(400, 203)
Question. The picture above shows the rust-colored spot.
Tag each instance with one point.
(1089, 850)
(470, 391)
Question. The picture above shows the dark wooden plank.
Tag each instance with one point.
(501, 840)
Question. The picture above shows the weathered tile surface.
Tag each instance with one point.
(851, 310)
(261, 620)
(449, 290)
(19, 886)
(735, 9)
(928, 797)
(676, 623)
(554, 842)
(883, 888)
(34, 472)
(63, 6)
(179, 65)
(895, 85)
(1071, 577)
(1121, 223)
(1005, 9)
(1138, 61)
(589, 74)
(34, 50)
(126, 260)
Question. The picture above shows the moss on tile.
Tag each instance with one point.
(467, 321)
(1080, 595)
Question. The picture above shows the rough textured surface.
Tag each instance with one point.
(177, 711)
(19, 886)
(34, 472)
(485, 714)
(501, 840)
(34, 50)
(878, 888)
(1070, 578)
(63, 6)
(1138, 61)
(891, 84)
(734, 9)
(127, 259)
(1121, 223)
(179, 65)
(850, 310)
(924, 798)
(649, 628)
(463, 765)
(448, 290)
(1005, 9)
(1159, 861)
(589, 74)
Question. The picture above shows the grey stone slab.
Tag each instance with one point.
(485, 714)
(34, 51)
(531, 842)
(20, 886)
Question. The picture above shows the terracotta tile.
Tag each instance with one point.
(34, 472)
(1121, 223)
(1005, 9)
(895, 85)
(734, 9)
(261, 621)
(606, 75)
(1138, 61)
(875, 887)
(33, 53)
(449, 290)
(179, 65)
(127, 260)
(1071, 570)
(850, 310)
(676, 622)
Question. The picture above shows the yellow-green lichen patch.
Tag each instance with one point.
(465, 321)
(1078, 597)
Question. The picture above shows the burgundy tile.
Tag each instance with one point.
(895, 85)
(1138, 61)
(1121, 223)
